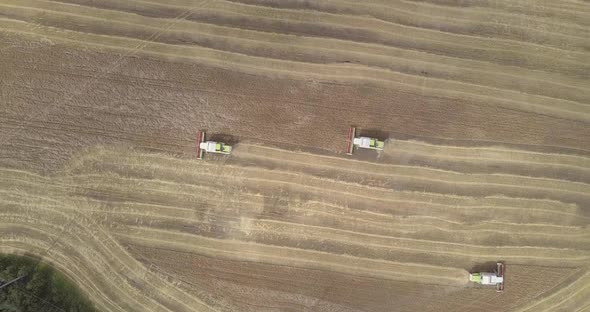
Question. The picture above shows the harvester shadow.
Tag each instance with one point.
(373, 133)
(223, 137)
(490, 266)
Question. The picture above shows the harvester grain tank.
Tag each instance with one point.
(490, 278)
(362, 142)
(210, 146)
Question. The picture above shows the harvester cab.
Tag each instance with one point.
(490, 278)
(210, 146)
(361, 142)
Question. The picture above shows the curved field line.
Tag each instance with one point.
(85, 227)
(244, 176)
(285, 256)
(28, 195)
(417, 9)
(582, 237)
(432, 150)
(490, 153)
(562, 296)
(155, 213)
(247, 173)
(131, 179)
(251, 250)
(239, 171)
(206, 56)
(148, 218)
(438, 223)
(126, 18)
(437, 175)
(287, 173)
(224, 31)
(451, 25)
(478, 12)
(361, 21)
(171, 177)
(79, 276)
(327, 158)
(449, 15)
(333, 46)
(115, 285)
(546, 248)
(167, 186)
(408, 6)
(548, 106)
(524, 10)
(128, 264)
(343, 163)
(92, 233)
(72, 271)
(553, 239)
(549, 102)
(404, 243)
(95, 265)
(172, 184)
(248, 46)
(447, 226)
(244, 173)
(171, 211)
(430, 206)
(401, 150)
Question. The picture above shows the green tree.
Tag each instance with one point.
(42, 290)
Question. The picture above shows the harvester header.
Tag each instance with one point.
(495, 278)
(361, 142)
(210, 146)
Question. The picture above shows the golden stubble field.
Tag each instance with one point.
(486, 104)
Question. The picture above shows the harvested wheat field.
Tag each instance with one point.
(485, 105)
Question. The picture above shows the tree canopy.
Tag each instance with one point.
(43, 289)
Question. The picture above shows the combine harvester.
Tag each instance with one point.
(362, 142)
(210, 146)
(490, 279)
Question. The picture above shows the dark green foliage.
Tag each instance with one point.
(42, 290)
